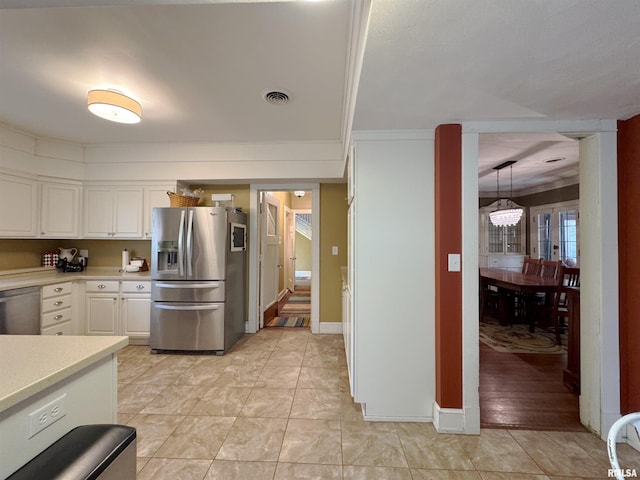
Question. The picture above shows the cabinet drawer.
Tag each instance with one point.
(102, 286)
(56, 303)
(59, 316)
(61, 329)
(49, 291)
(136, 287)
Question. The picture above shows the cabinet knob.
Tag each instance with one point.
(57, 304)
(58, 289)
(140, 287)
(57, 317)
(101, 286)
(58, 334)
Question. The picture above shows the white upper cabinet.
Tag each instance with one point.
(154, 197)
(19, 207)
(60, 210)
(113, 212)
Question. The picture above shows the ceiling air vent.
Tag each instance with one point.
(275, 97)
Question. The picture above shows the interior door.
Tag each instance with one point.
(289, 248)
(269, 251)
(555, 233)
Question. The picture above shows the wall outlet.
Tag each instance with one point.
(46, 415)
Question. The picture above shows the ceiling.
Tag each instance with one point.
(200, 69)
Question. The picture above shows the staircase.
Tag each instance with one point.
(303, 224)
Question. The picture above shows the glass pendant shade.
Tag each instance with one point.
(505, 217)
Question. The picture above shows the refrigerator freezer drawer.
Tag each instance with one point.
(186, 291)
(187, 327)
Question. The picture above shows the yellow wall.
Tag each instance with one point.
(333, 231)
(303, 252)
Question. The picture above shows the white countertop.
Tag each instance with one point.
(31, 363)
(47, 276)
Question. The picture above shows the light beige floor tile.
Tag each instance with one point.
(374, 444)
(312, 441)
(279, 377)
(196, 437)
(321, 359)
(133, 398)
(268, 402)
(319, 378)
(349, 410)
(316, 404)
(288, 343)
(174, 469)
(253, 440)
(298, 471)
(285, 358)
(222, 401)
(497, 451)
(249, 356)
(128, 372)
(512, 476)
(559, 454)
(124, 418)
(353, 472)
(152, 431)
(424, 474)
(140, 463)
(201, 373)
(425, 448)
(230, 470)
(239, 376)
(176, 399)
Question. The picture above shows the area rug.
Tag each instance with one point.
(517, 339)
(289, 322)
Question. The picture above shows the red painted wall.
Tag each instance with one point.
(448, 231)
(629, 262)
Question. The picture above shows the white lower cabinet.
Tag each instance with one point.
(56, 314)
(119, 308)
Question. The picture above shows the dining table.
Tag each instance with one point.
(507, 281)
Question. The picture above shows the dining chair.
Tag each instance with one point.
(545, 302)
(560, 311)
(531, 266)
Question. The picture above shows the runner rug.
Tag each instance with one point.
(295, 313)
(517, 339)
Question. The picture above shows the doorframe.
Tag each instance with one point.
(253, 317)
(600, 398)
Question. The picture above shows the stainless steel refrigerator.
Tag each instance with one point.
(198, 272)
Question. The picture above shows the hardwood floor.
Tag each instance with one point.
(525, 391)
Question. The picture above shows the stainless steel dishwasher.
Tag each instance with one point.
(20, 311)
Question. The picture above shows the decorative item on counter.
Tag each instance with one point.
(125, 259)
(68, 253)
(66, 266)
(50, 259)
(141, 263)
(84, 253)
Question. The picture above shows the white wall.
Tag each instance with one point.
(393, 286)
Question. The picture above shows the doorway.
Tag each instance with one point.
(262, 294)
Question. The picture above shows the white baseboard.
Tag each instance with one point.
(333, 328)
(456, 420)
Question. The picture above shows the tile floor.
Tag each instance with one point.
(277, 407)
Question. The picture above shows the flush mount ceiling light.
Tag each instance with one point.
(504, 217)
(299, 193)
(114, 106)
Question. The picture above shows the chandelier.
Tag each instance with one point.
(504, 217)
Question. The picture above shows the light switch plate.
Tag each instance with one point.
(454, 262)
(334, 250)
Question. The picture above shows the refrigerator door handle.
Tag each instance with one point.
(188, 285)
(181, 245)
(204, 306)
(190, 245)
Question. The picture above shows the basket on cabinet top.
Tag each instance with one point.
(177, 200)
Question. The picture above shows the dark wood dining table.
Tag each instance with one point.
(514, 281)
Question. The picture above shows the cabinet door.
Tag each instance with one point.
(98, 212)
(102, 314)
(127, 213)
(135, 314)
(154, 197)
(60, 212)
(19, 212)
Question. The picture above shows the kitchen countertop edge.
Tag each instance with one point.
(46, 360)
(50, 276)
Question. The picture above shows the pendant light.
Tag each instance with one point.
(504, 217)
